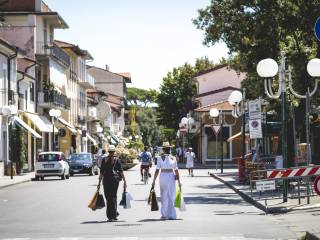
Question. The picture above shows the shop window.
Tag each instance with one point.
(214, 143)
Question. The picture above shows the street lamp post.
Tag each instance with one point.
(234, 100)
(267, 69)
(186, 122)
(10, 111)
(54, 113)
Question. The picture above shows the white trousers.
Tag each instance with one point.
(168, 194)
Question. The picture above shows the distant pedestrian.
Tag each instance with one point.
(101, 156)
(111, 171)
(190, 156)
(179, 154)
(167, 165)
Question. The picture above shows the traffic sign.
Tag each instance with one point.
(216, 129)
(317, 185)
(317, 28)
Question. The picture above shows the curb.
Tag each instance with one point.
(16, 183)
(247, 198)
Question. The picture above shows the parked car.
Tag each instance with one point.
(52, 164)
(83, 163)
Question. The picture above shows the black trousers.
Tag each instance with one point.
(110, 193)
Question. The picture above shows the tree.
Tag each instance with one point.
(254, 30)
(177, 91)
(138, 96)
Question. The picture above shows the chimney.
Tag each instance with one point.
(107, 67)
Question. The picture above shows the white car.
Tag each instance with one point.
(52, 164)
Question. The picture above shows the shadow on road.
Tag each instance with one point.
(158, 220)
(218, 199)
(94, 222)
(105, 221)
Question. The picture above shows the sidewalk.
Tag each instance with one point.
(6, 181)
(230, 178)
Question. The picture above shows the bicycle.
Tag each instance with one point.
(145, 176)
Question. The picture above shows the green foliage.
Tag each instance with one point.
(177, 91)
(138, 95)
(17, 147)
(148, 127)
(168, 134)
(254, 30)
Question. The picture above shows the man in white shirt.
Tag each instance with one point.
(190, 156)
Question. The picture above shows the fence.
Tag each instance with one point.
(270, 184)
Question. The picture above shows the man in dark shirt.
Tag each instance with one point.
(110, 174)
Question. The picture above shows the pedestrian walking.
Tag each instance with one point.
(110, 175)
(190, 156)
(168, 169)
(179, 154)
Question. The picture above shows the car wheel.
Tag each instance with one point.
(91, 172)
(68, 176)
(71, 174)
(36, 178)
(42, 178)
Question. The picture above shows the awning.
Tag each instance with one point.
(234, 136)
(92, 140)
(26, 127)
(68, 125)
(40, 123)
(48, 123)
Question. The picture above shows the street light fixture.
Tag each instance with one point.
(54, 113)
(10, 111)
(267, 69)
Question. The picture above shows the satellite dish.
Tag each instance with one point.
(103, 110)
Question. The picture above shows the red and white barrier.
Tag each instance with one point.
(294, 172)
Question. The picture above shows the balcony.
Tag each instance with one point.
(88, 82)
(81, 120)
(48, 99)
(51, 49)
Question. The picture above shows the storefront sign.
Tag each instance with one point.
(265, 185)
(255, 128)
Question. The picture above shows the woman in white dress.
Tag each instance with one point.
(190, 161)
(168, 169)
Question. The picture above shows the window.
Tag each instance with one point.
(32, 92)
(214, 143)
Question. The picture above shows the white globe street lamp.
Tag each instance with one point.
(267, 69)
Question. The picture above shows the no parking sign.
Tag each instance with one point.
(317, 185)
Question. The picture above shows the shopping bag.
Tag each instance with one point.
(182, 207)
(93, 201)
(123, 201)
(100, 202)
(128, 199)
(177, 200)
(152, 200)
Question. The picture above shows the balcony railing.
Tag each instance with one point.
(52, 99)
(52, 49)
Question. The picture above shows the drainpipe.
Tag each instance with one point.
(9, 71)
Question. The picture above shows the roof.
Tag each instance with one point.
(211, 70)
(124, 75)
(75, 48)
(217, 91)
(8, 45)
(60, 20)
(223, 105)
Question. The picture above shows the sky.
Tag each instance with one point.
(147, 38)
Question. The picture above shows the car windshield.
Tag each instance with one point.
(80, 158)
(49, 157)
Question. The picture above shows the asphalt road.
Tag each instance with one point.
(57, 209)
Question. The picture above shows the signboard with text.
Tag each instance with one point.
(255, 128)
(265, 185)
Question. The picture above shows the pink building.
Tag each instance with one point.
(214, 86)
